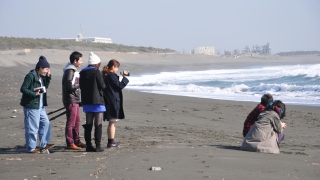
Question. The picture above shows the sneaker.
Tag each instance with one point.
(36, 151)
(48, 146)
(117, 145)
(45, 151)
(73, 147)
(81, 145)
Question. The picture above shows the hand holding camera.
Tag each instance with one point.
(40, 90)
(125, 73)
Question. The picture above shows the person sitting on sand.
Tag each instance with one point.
(253, 115)
(34, 98)
(264, 134)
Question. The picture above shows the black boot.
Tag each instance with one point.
(97, 138)
(87, 137)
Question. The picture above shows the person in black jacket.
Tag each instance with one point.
(92, 85)
(71, 101)
(113, 92)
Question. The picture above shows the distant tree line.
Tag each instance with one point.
(293, 53)
(12, 43)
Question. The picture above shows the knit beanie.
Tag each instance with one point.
(93, 59)
(43, 63)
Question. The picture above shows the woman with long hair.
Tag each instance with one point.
(113, 93)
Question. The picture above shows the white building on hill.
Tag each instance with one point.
(208, 50)
(80, 38)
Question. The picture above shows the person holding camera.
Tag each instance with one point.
(92, 85)
(71, 101)
(267, 132)
(34, 98)
(113, 93)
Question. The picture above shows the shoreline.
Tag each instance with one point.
(257, 100)
(312, 108)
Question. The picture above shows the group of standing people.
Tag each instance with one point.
(99, 94)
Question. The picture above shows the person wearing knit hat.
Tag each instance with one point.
(92, 98)
(43, 62)
(34, 99)
(93, 59)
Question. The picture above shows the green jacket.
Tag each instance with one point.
(29, 98)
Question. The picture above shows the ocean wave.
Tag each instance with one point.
(231, 75)
(295, 83)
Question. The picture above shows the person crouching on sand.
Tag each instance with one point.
(253, 115)
(34, 98)
(113, 92)
(92, 85)
(266, 133)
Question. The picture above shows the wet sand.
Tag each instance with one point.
(189, 138)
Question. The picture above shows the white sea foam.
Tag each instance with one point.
(295, 84)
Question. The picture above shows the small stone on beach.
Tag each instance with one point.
(153, 168)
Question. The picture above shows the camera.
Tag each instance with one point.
(41, 90)
(127, 73)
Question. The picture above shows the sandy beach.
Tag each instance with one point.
(189, 138)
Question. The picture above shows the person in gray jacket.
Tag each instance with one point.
(71, 101)
(265, 134)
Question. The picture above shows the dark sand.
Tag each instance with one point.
(189, 138)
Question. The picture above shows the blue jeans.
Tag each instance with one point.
(36, 122)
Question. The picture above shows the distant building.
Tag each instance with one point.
(80, 38)
(208, 50)
(266, 49)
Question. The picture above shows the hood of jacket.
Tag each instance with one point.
(88, 68)
(35, 74)
(69, 66)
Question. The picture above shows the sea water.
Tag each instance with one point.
(292, 84)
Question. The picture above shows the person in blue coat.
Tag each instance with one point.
(114, 98)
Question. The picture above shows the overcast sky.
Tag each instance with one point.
(288, 25)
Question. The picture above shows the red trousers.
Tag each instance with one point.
(72, 124)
